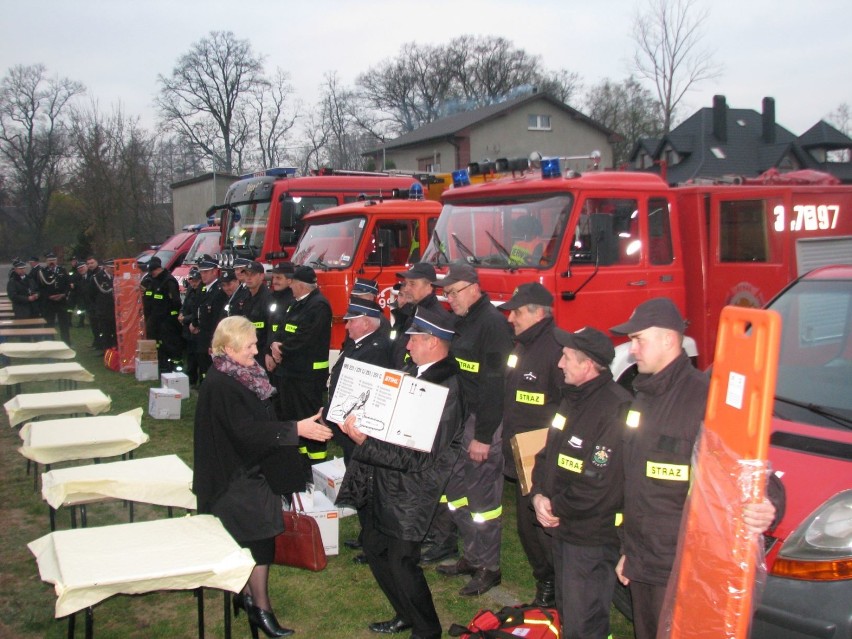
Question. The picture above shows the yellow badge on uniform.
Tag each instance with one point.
(633, 417)
(513, 361)
(570, 463)
(669, 472)
(558, 421)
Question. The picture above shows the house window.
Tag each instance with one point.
(431, 164)
(538, 122)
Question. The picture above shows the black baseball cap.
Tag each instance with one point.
(658, 311)
(529, 293)
(590, 341)
(284, 268)
(459, 272)
(154, 262)
(254, 267)
(421, 270)
(305, 274)
(228, 275)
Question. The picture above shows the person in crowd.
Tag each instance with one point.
(256, 305)
(578, 483)
(35, 283)
(235, 292)
(415, 290)
(281, 296)
(369, 290)
(300, 350)
(211, 303)
(475, 490)
(398, 488)
(103, 282)
(235, 428)
(533, 390)
(161, 305)
(662, 427)
(20, 290)
(90, 295)
(54, 285)
(188, 314)
(77, 294)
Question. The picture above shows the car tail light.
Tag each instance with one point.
(820, 549)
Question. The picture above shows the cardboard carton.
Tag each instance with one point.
(164, 403)
(146, 350)
(178, 381)
(146, 371)
(318, 506)
(525, 446)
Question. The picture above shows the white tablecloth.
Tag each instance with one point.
(16, 323)
(165, 481)
(44, 372)
(88, 565)
(59, 440)
(31, 350)
(27, 333)
(28, 405)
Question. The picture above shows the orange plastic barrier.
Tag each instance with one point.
(129, 322)
(710, 591)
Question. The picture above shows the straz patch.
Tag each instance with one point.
(468, 367)
(669, 472)
(570, 463)
(601, 456)
(524, 397)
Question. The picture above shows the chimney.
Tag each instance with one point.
(768, 120)
(720, 118)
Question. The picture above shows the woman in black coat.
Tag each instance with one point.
(235, 429)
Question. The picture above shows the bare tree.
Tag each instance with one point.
(204, 99)
(627, 108)
(841, 118)
(273, 118)
(33, 142)
(669, 51)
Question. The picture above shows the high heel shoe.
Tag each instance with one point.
(266, 621)
(240, 602)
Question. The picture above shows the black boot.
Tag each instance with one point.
(545, 594)
(266, 621)
(242, 601)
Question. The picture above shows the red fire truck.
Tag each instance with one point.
(261, 218)
(604, 242)
(371, 239)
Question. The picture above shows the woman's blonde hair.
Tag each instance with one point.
(232, 332)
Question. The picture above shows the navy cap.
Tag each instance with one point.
(284, 268)
(305, 274)
(241, 262)
(194, 273)
(228, 275)
(50, 256)
(590, 341)
(459, 272)
(363, 286)
(529, 293)
(440, 325)
(207, 263)
(18, 263)
(359, 307)
(254, 267)
(33, 258)
(658, 311)
(420, 270)
(109, 263)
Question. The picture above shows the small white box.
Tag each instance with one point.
(178, 381)
(164, 403)
(328, 519)
(146, 371)
(328, 476)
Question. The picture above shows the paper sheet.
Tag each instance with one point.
(50, 349)
(44, 372)
(28, 405)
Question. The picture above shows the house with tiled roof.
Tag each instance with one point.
(510, 129)
(721, 142)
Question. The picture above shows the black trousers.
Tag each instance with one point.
(395, 564)
(536, 543)
(647, 606)
(56, 314)
(585, 582)
(302, 397)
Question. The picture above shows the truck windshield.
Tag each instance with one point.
(500, 234)
(331, 244)
(207, 243)
(248, 227)
(815, 361)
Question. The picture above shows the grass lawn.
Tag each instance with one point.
(338, 602)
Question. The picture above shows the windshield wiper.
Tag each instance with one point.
(439, 246)
(470, 254)
(500, 248)
(320, 263)
(822, 411)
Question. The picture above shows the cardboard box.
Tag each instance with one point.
(525, 446)
(178, 381)
(146, 350)
(164, 403)
(146, 371)
(318, 506)
(328, 476)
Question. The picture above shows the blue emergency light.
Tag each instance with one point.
(461, 178)
(550, 168)
(415, 191)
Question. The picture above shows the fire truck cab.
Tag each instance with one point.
(605, 242)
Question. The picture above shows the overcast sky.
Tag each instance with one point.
(797, 52)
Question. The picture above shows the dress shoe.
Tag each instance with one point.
(354, 544)
(266, 621)
(240, 601)
(438, 553)
(390, 627)
(360, 559)
(483, 581)
(545, 594)
(461, 567)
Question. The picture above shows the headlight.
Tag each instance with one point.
(820, 549)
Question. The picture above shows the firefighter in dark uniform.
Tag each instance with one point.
(369, 290)
(533, 390)
(578, 483)
(35, 284)
(54, 286)
(89, 295)
(21, 292)
(188, 314)
(475, 490)
(280, 296)
(300, 350)
(235, 292)
(77, 296)
(415, 291)
(103, 283)
(211, 303)
(256, 306)
(161, 305)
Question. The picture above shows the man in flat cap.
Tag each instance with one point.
(578, 483)
(475, 490)
(103, 284)
(211, 305)
(188, 314)
(397, 489)
(663, 424)
(415, 291)
(54, 286)
(256, 305)
(300, 352)
(161, 305)
(235, 292)
(21, 292)
(534, 385)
